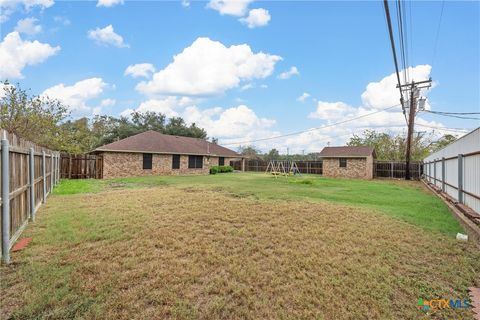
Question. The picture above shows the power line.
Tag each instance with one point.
(452, 115)
(392, 44)
(311, 129)
(445, 112)
(445, 129)
(437, 33)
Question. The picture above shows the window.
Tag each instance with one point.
(147, 161)
(343, 162)
(195, 162)
(221, 161)
(176, 161)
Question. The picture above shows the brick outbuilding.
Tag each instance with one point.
(153, 153)
(348, 162)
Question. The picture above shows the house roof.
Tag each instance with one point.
(155, 142)
(347, 152)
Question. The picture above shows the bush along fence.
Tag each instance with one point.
(81, 166)
(28, 175)
(220, 169)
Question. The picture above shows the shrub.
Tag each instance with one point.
(220, 169)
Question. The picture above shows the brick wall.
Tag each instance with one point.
(124, 164)
(357, 168)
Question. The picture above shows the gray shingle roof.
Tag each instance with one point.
(155, 142)
(346, 152)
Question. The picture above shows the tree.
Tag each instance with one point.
(272, 155)
(443, 142)
(32, 118)
(249, 151)
(393, 146)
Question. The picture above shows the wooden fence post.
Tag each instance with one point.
(44, 178)
(51, 171)
(69, 166)
(5, 201)
(32, 184)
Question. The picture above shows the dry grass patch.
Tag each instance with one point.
(169, 253)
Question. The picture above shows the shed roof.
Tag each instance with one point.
(155, 142)
(347, 152)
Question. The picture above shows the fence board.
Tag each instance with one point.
(18, 168)
(81, 166)
(396, 169)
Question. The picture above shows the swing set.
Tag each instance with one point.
(282, 168)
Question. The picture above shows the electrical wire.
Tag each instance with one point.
(437, 34)
(445, 112)
(461, 130)
(311, 129)
(452, 115)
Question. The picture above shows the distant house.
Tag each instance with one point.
(153, 153)
(348, 162)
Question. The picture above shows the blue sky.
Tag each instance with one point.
(230, 56)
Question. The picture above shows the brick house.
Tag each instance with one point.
(348, 162)
(153, 153)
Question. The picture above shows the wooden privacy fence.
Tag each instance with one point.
(81, 166)
(396, 169)
(28, 175)
(308, 167)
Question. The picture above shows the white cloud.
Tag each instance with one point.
(7, 7)
(16, 53)
(170, 106)
(77, 95)
(108, 3)
(140, 70)
(28, 26)
(235, 122)
(256, 18)
(63, 20)
(185, 3)
(208, 67)
(107, 36)
(331, 110)
(384, 93)
(246, 87)
(236, 8)
(107, 102)
(293, 71)
(228, 124)
(303, 97)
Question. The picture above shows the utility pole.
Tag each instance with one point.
(414, 95)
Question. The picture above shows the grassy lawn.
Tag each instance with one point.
(409, 202)
(229, 246)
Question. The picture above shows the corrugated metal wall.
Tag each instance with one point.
(442, 169)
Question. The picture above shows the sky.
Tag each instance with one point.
(247, 70)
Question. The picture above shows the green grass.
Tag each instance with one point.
(407, 201)
(78, 186)
(224, 247)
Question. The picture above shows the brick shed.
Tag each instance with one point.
(153, 153)
(348, 162)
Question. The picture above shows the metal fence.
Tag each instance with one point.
(28, 175)
(459, 177)
(456, 170)
(396, 169)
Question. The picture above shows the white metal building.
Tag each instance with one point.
(456, 169)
